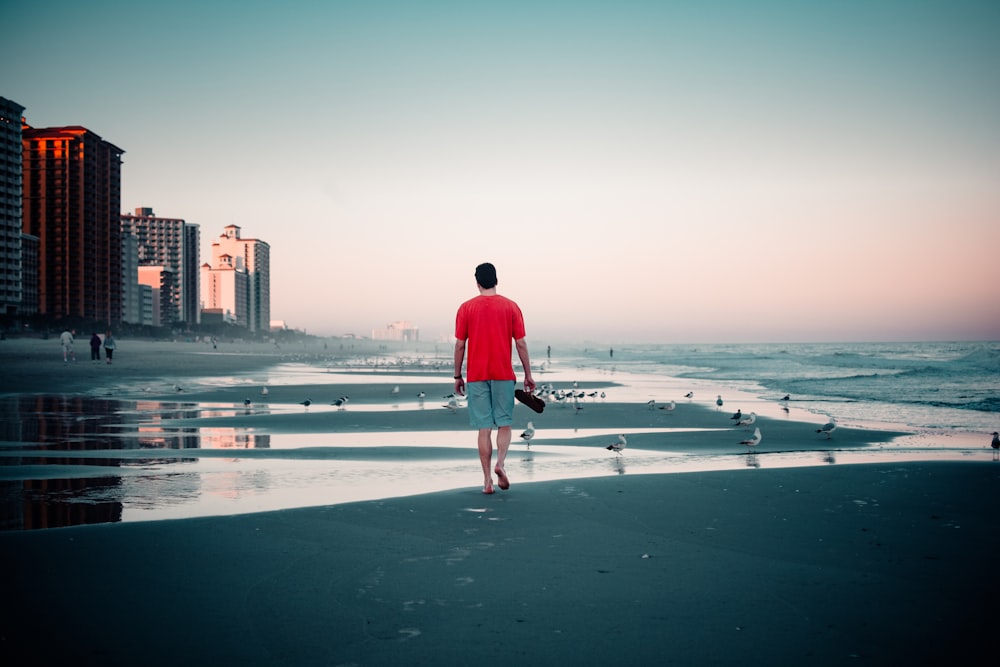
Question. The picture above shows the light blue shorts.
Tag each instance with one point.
(491, 403)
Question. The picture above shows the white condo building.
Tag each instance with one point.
(236, 285)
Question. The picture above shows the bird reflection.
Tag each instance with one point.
(828, 457)
(752, 460)
(618, 465)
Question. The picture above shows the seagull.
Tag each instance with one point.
(786, 397)
(452, 405)
(263, 391)
(178, 388)
(528, 434)
(669, 407)
(996, 440)
(395, 390)
(748, 420)
(651, 403)
(753, 440)
(738, 415)
(690, 394)
(422, 395)
(617, 447)
(306, 402)
(341, 402)
(246, 402)
(718, 401)
(828, 428)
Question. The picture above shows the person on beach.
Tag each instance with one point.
(95, 347)
(485, 326)
(109, 346)
(66, 340)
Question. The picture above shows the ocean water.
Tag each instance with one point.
(950, 387)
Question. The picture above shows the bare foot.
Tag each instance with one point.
(488, 489)
(504, 483)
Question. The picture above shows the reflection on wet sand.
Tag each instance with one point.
(47, 435)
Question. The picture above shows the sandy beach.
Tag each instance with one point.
(881, 563)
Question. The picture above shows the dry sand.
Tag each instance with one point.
(844, 564)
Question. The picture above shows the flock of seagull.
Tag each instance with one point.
(742, 420)
(575, 395)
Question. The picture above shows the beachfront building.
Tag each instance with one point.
(72, 204)
(29, 274)
(247, 299)
(146, 305)
(162, 281)
(10, 207)
(401, 331)
(171, 243)
(131, 297)
(224, 290)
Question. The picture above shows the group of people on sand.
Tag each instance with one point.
(67, 338)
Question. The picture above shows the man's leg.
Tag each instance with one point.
(486, 456)
(503, 442)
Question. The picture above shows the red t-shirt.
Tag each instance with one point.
(489, 323)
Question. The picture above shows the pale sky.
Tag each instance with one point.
(638, 171)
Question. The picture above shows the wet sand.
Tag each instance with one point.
(849, 564)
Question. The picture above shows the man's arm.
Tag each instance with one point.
(522, 354)
(459, 360)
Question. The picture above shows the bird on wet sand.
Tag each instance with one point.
(996, 440)
(690, 394)
(748, 420)
(718, 402)
(263, 391)
(669, 407)
(341, 402)
(828, 428)
(753, 440)
(306, 402)
(617, 447)
(529, 433)
(738, 415)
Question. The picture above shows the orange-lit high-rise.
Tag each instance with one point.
(72, 203)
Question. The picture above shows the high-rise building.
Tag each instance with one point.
(72, 203)
(224, 291)
(171, 243)
(10, 207)
(231, 255)
(29, 274)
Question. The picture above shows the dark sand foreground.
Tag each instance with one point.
(845, 564)
(873, 564)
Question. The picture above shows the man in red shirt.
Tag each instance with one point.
(485, 325)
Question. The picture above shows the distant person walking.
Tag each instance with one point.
(66, 340)
(109, 346)
(485, 326)
(95, 347)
